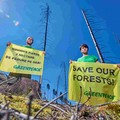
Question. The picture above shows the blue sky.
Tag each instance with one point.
(66, 31)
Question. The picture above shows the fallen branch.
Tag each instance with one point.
(59, 108)
(7, 80)
(49, 104)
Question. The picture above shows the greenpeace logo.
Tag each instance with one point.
(19, 67)
(98, 94)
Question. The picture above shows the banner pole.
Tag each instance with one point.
(40, 84)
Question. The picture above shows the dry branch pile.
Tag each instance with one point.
(14, 105)
(23, 108)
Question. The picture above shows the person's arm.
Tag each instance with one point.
(8, 44)
(44, 52)
(118, 65)
(70, 62)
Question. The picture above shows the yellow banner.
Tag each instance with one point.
(102, 79)
(18, 59)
